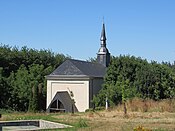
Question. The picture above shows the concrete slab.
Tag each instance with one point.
(30, 125)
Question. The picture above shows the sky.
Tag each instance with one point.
(142, 28)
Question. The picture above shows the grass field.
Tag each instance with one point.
(105, 120)
(111, 120)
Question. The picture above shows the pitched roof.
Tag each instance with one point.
(73, 67)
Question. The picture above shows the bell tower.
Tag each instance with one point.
(103, 55)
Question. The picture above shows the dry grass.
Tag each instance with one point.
(113, 120)
(148, 115)
(139, 105)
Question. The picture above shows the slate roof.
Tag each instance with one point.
(73, 67)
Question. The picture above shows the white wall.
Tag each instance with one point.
(80, 89)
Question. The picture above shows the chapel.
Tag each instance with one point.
(72, 85)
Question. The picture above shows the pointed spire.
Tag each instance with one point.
(103, 55)
(103, 34)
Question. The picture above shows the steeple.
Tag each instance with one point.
(103, 55)
(103, 34)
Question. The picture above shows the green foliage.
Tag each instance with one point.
(82, 123)
(33, 100)
(6, 111)
(4, 91)
(22, 77)
(128, 77)
(23, 84)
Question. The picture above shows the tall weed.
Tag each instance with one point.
(137, 104)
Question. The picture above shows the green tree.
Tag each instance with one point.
(33, 100)
(128, 77)
(19, 68)
(20, 84)
(4, 91)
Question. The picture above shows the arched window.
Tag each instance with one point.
(57, 106)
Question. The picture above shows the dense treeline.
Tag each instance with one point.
(23, 84)
(128, 77)
(22, 77)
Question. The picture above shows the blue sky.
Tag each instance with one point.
(143, 28)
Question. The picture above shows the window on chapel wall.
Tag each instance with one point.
(57, 106)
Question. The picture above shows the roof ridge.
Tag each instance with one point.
(76, 66)
(79, 60)
(85, 61)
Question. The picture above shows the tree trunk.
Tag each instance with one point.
(125, 109)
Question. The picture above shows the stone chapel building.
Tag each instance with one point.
(73, 84)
